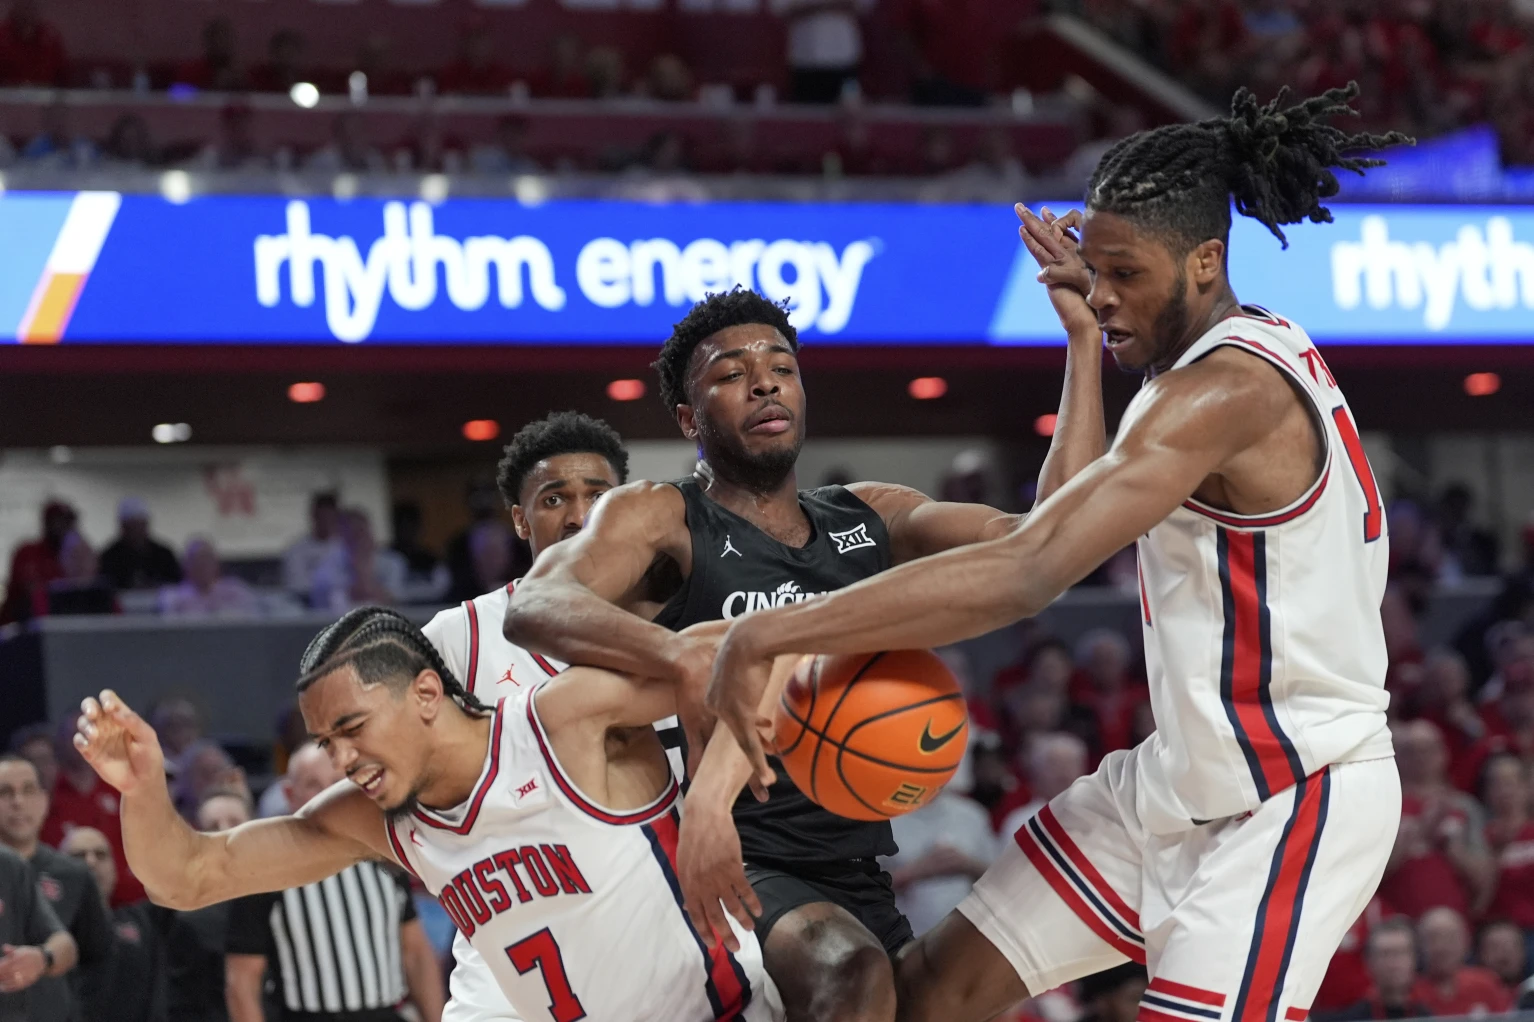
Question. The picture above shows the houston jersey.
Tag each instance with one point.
(576, 908)
(1263, 641)
(471, 641)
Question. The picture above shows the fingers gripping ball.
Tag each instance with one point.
(871, 736)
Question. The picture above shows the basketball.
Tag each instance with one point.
(872, 736)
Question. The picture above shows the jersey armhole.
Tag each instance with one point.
(1318, 417)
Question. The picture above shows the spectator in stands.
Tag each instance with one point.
(79, 798)
(132, 980)
(348, 150)
(360, 572)
(1448, 985)
(207, 591)
(128, 145)
(1510, 837)
(944, 847)
(194, 941)
(1440, 857)
(1509, 709)
(178, 725)
(284, 63)
(477, 71)
(490, 551)
(428, 148)
(1500, 947)
(605, 75)
(564, 77)
(426, 577)
(31, 50)
(668, 80)
(825, 46)
(507, 152)
(235, 147)
(483, 502)
(993, 171)
(202, 769)
(1104, 687)
(1347, 975)
(36, 563)
(1443, 697)
(34, 743)
(306, 554)
(1414, 542)
(66, 885)
(81, 589)
(1054, 762)
(217, 69)
(1391, 954)
(135, 559)
(1473, 547)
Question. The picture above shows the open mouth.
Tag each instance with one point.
(370, 780)
(1117, 338)
(772, 419)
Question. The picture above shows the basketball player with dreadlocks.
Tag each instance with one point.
(1231, 850)
(545, 824)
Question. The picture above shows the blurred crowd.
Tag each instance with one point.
(1425, 66)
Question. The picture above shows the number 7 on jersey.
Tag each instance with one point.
(541, 952)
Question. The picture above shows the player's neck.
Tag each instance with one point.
(462, 747)
(1224, 307)
(748, 498)
(25, 849)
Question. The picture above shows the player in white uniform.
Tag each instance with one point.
(1232, 849)
(550, 475)
(546, 825)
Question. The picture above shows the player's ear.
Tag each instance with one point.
(427, 693)
(688, 421)
(1207, 262)
(519, 522)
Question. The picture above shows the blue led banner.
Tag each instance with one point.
(99, 267)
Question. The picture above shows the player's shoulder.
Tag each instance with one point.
(884, 498)
(644, 493)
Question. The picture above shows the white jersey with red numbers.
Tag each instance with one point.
(575, 907)
(1263, 643)
(475, 649)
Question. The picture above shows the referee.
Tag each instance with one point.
(348, 948)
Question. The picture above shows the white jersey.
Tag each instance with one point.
(575, 907)
(1263, 642)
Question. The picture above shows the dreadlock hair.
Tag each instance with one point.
(383, 647)
(714, 313)
(1275, 161)
(551, 436)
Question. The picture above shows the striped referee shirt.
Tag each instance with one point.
(332, 946)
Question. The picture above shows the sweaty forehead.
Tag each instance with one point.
(336, 695)
(753, 337)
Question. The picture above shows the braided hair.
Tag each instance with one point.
(383, 647)
(1275, 161)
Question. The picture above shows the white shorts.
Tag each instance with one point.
(474, 994)
(1234, 919)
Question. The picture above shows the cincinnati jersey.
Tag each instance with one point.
(1263, 641)
(471, 642)
(736, 569)
(576, 908)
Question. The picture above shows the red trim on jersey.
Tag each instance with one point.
(1250, 660)
(723, 972)
(478, 798)
(1074, 900)
(1145, 1014)
(1262, 521)
(1088, 871)
(1278, 913)
(468, 606)
(1144, 599)
(399, 851)
(646, 814)
(1296, 1014)
(548, 668)
(1187, 993)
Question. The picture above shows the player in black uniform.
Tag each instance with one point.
(737, 537)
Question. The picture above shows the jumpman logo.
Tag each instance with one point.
(729, 548)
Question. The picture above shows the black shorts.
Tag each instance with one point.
(860, 887)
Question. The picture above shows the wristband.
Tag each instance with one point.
(48, 958)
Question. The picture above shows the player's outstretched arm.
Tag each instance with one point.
(184, 869)
(570, 605)
(1188, 424)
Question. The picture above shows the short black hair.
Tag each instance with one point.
(1275, 161)
(553, 435)
(735, 307)
(384, 647)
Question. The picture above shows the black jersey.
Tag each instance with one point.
(737, 568)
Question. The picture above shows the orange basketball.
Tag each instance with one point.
(872, 735)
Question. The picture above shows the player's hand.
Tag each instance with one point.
(119, 744)
(20, 967)
(1053, 243)
(712, 872)
(735, 694)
